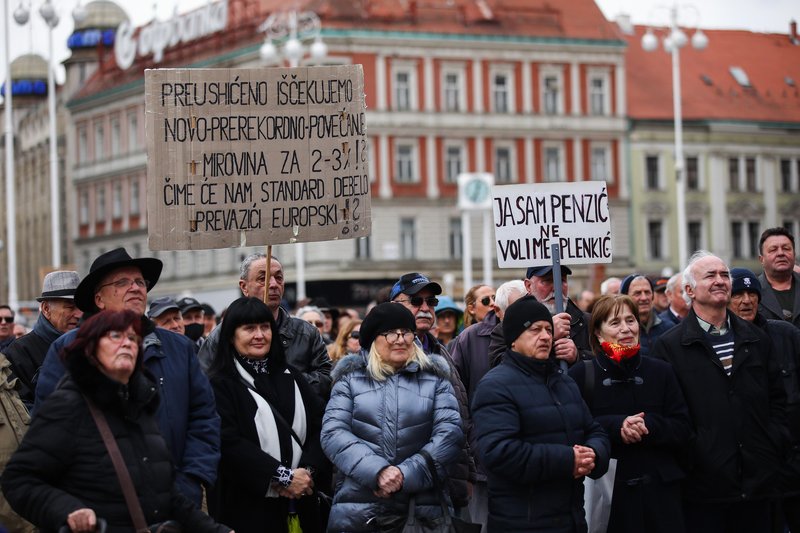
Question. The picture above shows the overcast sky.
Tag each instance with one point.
(754, 15)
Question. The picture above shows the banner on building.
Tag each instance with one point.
(245, 157)
(529, 218)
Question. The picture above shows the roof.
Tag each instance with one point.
(709, 90)
(29, 67)
(576, 20)
(102, 14)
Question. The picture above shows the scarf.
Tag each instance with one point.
(619, 352)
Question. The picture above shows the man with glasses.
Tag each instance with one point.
(187, 414)
(6, 326)
(419, 294)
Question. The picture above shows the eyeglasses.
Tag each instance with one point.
(120, 336)
(416, 301)
(125, 283)
(393, 336)
(355, 334)
(486, 300)
(7, 319)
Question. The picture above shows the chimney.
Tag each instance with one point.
(793, 32)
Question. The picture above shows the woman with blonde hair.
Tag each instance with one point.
(346, 342)
(479, 301)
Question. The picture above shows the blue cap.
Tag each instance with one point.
(626, 283)
(744, 280)
(447, 304)
(412, 283)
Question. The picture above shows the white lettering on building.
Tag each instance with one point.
(160, 35)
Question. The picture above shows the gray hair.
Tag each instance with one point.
(244, 268)
(506, 290)
(673, 282)
(309, 309)
(604, 285)
(688, 272)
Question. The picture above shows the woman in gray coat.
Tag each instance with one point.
(385, 408)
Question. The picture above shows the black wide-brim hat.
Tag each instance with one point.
(117, 258)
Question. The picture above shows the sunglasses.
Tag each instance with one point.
(355, 335)
(7, 319)
(486, 300)
(416, 301)
(317, 323)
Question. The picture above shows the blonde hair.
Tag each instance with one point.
(380, 370)
(338, 348)
(470, 299)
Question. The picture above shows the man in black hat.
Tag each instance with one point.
(187, 415)
(57, 315)
(193, 324)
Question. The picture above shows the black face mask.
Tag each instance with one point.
(194, 331)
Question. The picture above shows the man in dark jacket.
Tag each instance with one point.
(418, 294)
(187, 415)
(736, 401)
(745, 296)
(57, 315)
(536, 437)
(780, 284)
(305, 351)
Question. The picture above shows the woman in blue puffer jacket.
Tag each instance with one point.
(385, 407)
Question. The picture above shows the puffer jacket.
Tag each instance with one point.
(370, 425)
(62, 464)
(305, 351)
(528, 415)
(187, 414)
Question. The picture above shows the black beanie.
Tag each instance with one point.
(384, 317)
(520, 315)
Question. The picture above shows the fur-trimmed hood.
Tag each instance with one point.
(355, 362)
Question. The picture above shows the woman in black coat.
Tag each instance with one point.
(62, 473)
(271, 460)
(639, 403)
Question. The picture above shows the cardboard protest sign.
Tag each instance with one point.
(529, 218)
(243, 157)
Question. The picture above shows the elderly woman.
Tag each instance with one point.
(346, 342)
(639, 403)
(536, 438)
(62, 473)
(386, 407)
(271, 456)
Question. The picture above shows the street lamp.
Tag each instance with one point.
(673, 42)
(290, 29)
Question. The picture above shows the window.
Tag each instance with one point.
(598, 94)
(786, 175)
(116, 201)
(133, 132)
(456, 238)
(599, 163)
(500, 93)
(651, 167)
(115, 136)
(655, 239)
(405, 164)
(553, 168)
(692, 175)
(736, 239)
(134, 197)
(452, 91)
(695, 234)
(83, 146)
(408, 239)
(84, 207)
(733, 173)
(753, 234)
(99, 142)
(402, 90)
(453, 162)
(363, 248)
(101, 204)
(503, 164)
(750, 174)
(552, 94)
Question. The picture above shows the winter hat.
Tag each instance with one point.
(626, 283)
(744, 280)
(384, 317)
(519, 317)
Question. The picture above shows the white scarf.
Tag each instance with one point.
(267, 427)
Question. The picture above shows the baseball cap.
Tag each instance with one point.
(544, 270)
(187, 303)
(160, 305)
(412, 283)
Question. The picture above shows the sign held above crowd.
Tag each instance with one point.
(243, 157)
(530, 218)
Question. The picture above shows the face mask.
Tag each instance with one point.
(193, 331)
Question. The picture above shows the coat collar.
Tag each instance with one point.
(769, 300)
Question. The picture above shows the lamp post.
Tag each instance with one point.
(673, 42)
(290, 29)
(11, 234)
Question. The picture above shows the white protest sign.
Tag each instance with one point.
(245, 157)
(529, 218)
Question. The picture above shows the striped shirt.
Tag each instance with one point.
(721, 341)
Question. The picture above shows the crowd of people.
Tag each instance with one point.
(507, 410)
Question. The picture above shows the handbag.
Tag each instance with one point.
(125, 481)
(597, 497)
(448, 523)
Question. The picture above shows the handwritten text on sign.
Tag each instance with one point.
(256, 156)
(529, 218)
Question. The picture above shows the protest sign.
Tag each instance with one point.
(244, 157)
(529, 218)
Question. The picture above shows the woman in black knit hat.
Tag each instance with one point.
(536, 438)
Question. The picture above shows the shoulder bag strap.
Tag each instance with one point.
(437, 486)
(131, 499)
(588, 382)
